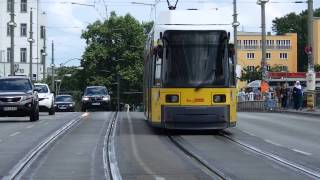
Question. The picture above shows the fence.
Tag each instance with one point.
(257, 102)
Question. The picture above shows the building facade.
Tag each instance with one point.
(22, 10)
(316, 40)
(281, 51)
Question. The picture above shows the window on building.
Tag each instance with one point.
(250, 68)
(23, 6)
(250, 55)
(268, 55)
(42, 32)
(23, 55)
(9, 5)
(8, 54)
(23, 29)
(283, 55)
(8, 30)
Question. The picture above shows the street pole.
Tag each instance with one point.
(118, 92)
(30, 42)
(311, 75)
(235, 25)
(44, 55)
(263, 36)
(12, 26)
(52, 68)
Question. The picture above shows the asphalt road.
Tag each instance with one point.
(18, 136)
(77, 155)
(145, 153)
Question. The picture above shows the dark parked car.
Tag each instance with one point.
(65, 103)
(96, 97)
(18, 98)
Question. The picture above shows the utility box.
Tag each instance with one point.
(311, 81)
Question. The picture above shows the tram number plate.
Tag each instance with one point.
(10, 109)
(95, 104)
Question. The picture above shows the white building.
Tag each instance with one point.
(21, 35)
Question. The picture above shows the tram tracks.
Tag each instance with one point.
(34, 153)
(209, 169)
(110, 163)
(273, 157)
(217, 172)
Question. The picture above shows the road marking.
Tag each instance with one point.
(271, 142)
(28, 127)
(14, 134)
(302, 152)
(85, 114)
(251, 134)
(136, 151)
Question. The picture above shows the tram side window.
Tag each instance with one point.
(157, 75)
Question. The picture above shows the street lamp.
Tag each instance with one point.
(262, 3)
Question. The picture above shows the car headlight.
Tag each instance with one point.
(28, 97)
(106, 98)
(85, 99)
(70, 105)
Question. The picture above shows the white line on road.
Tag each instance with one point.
(28, 127)
(136, 151)
(272, 142)
(302, 152)
(14, 134)
(85, 114)
(251, 134)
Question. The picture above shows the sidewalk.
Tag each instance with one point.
(315, 113)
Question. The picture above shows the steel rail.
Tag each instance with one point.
(213, 172)
(274, 157)
(110, 162)
(32, 155)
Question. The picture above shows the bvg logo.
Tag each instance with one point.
(195, 100)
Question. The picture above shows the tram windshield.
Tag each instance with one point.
(195, 59)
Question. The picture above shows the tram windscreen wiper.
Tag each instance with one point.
(204, 82)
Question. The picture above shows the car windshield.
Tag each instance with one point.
(64, 99)
(194, 58)
(91, 91)
(41, 88)
(19, 85)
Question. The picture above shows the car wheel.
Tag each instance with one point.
(34, 116)
(52, 111)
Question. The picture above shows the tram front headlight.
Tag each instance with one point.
(172, 98)
(219, 98)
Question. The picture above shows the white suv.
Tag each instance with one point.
(46, 98)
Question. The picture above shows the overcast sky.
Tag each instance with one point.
(66, 21)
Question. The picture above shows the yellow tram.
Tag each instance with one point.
(189, 73)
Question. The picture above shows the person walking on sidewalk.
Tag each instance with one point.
(284, 95)
(297, 96)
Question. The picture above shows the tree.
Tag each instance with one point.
(250, 75)
(277, 68)
(296, 23)
(115, 47)
(317, 67)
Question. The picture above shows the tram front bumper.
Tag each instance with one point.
(202, 117)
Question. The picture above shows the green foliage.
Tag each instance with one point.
(296, 23)
(251, 75)
(114, 47)
(276, 68)
(317, 67)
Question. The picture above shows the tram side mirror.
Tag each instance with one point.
(160, 51)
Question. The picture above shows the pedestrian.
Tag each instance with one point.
(284, 96)
(297, 96)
